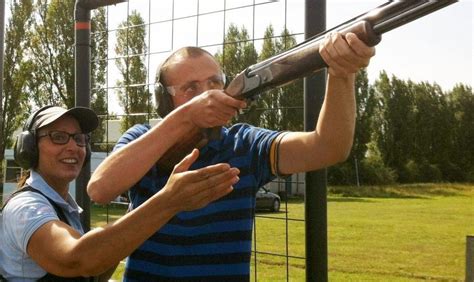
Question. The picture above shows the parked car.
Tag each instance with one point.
(267, 200)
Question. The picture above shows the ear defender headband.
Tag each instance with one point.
(26, 148)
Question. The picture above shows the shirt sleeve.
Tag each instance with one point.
(131, 134)
(258, 142)
(23, 215)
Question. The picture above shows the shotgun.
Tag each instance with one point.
(302, 60)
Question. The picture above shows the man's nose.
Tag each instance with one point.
(205, 85)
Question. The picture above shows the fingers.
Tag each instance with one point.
(234, 103)
(345, 54)
(186, 162)
(359, 47)
(215, 175)
(216, 108)
(196, 189)
(226, 105)
(337, 55)
(216, 186)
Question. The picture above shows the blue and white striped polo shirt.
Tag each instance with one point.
(214, 242)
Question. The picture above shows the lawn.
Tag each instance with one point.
(396, 233)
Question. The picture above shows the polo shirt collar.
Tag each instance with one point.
(36, 181)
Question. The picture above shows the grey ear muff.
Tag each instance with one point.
(25, 149)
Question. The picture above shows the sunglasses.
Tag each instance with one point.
(61, 137)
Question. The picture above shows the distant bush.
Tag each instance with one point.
(453, 173)
(414, 172)
(430, 173)
(375, 172)
(410, 172)
(470, 175)
(342, 174)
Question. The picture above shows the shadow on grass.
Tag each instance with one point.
(331, 198)
(408, 191)
(346, 199)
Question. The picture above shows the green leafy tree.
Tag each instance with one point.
(395, 113)
(238, 53)
(52, 53)
(274, 109)
(433, 122)
(291, 96)
(346, 173)
(99, 42)
(283, 106)
(365, 108)
(17, 74)
(266, 106)
(461, 165)
(133, 94)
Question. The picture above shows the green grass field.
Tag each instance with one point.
(393, 233)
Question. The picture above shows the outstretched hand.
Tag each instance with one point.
(195, 189)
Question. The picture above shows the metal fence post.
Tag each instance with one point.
(470, 259)
(82, 29)
(315, 191)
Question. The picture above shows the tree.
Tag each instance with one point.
(99, 42)
(237, 54)
(461, 165)
(366, 101)
(395, 113)
(133, 94)
(365, 108)
(274, 109)
(52, 53)
(432, 139)
(283, 107)
(291, 98)
(15, 101)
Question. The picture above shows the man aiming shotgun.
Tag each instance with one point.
(214, 243)
(304, 59)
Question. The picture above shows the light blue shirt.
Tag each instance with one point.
(22, 216)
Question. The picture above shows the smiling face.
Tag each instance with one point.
(60, 164)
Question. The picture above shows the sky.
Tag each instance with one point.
(436, 48)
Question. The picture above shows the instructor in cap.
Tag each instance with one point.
(41, 237)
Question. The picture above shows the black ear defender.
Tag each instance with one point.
(163, 99)
(25, 149)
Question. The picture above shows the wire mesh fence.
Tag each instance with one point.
(140, 34)
(130, 40)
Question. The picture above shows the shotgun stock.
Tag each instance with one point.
(304, 59)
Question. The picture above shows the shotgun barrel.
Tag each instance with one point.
(304, 59)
